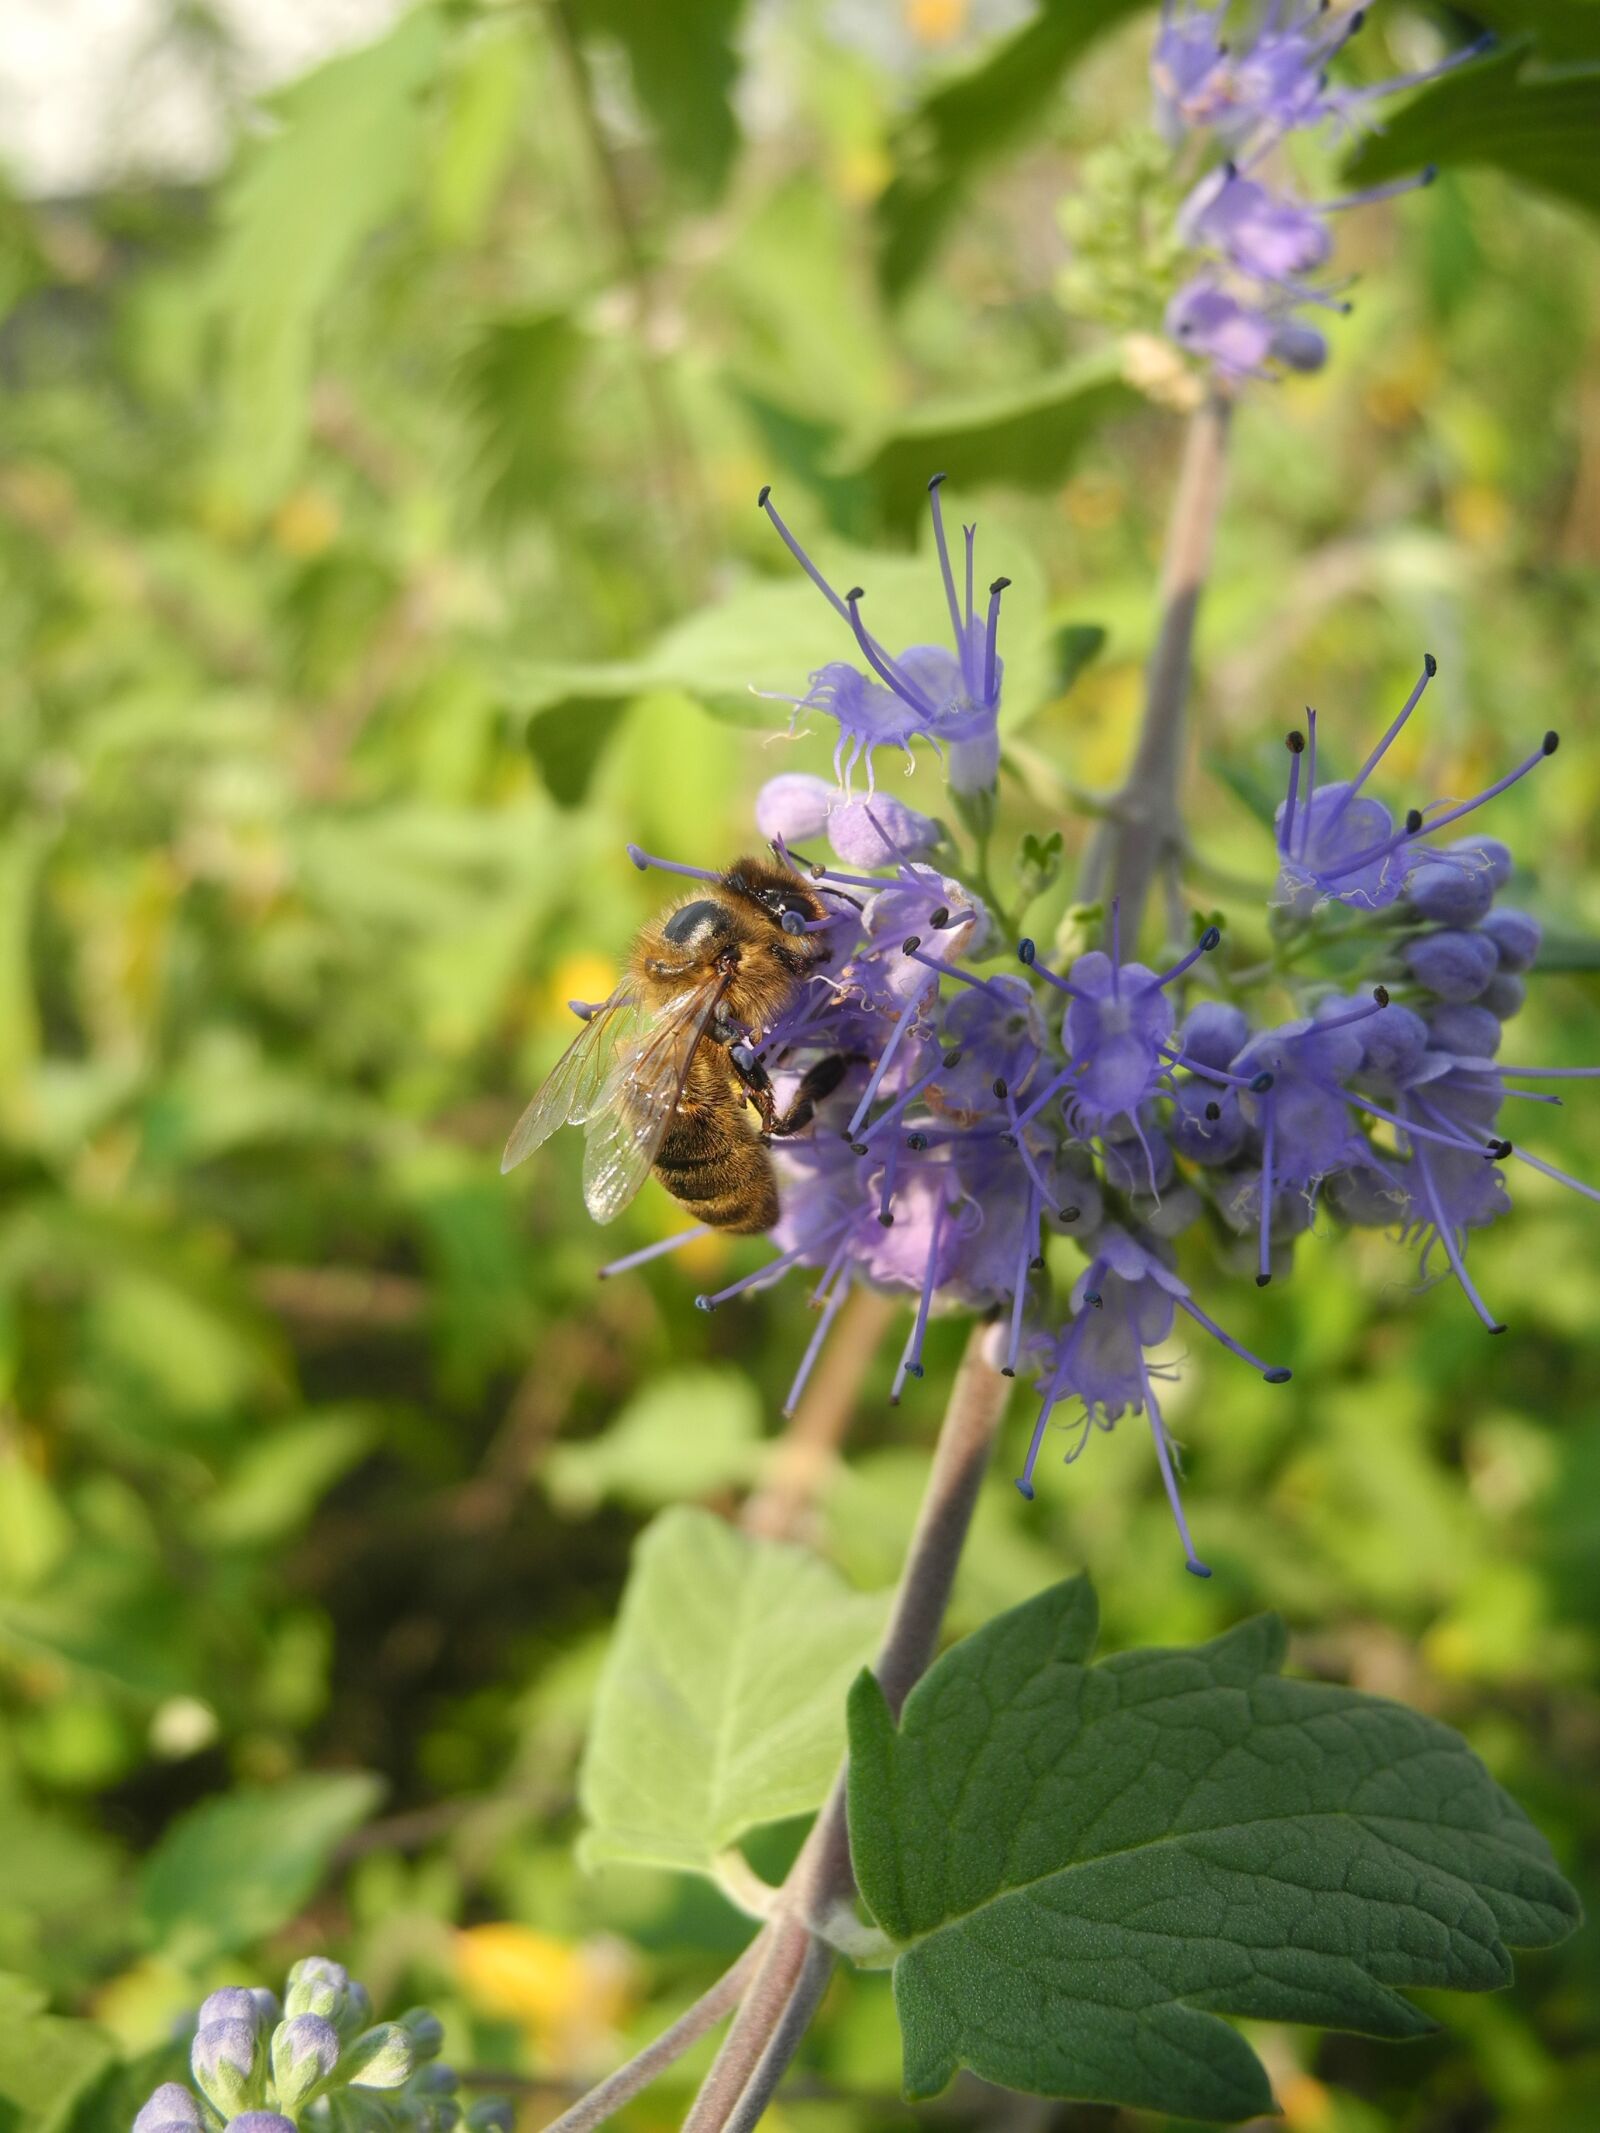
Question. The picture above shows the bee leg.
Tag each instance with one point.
(753, 1079)
(820, 1081)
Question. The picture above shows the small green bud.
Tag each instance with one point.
(228, 2065)
(383, 2058)
(425, 2030)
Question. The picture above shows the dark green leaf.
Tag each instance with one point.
(47, 2065)
(1561, 29)
(1082, 1868)
(1538, 128)
(516, 380)
(238, 1867)
(1077, 646)
(1248, 784)
(1025, 435)
(684, 62)
(965, 123)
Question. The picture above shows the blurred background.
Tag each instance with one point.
(383, 400)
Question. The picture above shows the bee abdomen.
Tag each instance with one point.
(721, 1178)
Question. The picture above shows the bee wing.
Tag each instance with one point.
(639, 1101)
(576, 1084)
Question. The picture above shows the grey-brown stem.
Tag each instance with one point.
(1142, 836)
(788, 1987)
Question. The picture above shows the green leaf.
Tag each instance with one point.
(722, 1702)
(236, 1868)
(1562, 29)
(1077, 645)
(282, 1474)
(515, 381)
(1023, 435)
(344, 157)
(1540, 129)
(684, 62)
(966, 122)
(686, 1433)
(48, 2065)
(1082, 1868)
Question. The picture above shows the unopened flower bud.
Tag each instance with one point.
(172, 2109)
(228, 2065)
(234, 2003)
(316, 1986)
(492, 2114)
(1450, 895)
(425, 2030)
(262, 2122)
(1504, 996)
(1453, 966)
(1516, 938)
(879, 830)
(305, 2054)
(381, 2059)
(794, 806)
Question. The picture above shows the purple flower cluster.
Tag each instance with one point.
(264, 2068)
(1239, 91)
(985, 1109)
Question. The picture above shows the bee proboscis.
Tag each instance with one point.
(652, 1076)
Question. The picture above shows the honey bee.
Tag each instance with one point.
(662, 1073)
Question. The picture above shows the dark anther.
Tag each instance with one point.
(916, 1142)
(1278, 1377)
(1069, 1214)
(1295, 742)
(1499, 1150)
(1094, 1298)
(936, 480)
(858, 1147)
(1430, 665)
(940, 918)
(856, 592)
(1006, 1371)
(1230, 169)
(1551, 742)
(887, 1220)
(1026, 952)
(1262, 1280)
(1213, 1112)
(1262, 1083)
(1000, 1088)
(952, 1058)
(704, 1303)
(1036, 1266)
(913, 1370)
(1381, 994)
(1211, 938)
(910, 947)
(1413, 820)
(1427, 174)
(999, 585)
(1008, 1140)
(761, 500)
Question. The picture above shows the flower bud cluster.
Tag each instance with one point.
(318, 2060)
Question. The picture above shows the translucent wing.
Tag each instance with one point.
(575, 1085)
(639, 1100)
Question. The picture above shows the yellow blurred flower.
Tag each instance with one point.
(1306, 2104)
(577, 977)
(935, 21)
(570, 1996)
(305, 524)
(861, 171)
(1479, 514)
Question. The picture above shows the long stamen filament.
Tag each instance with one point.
(1446, 1236)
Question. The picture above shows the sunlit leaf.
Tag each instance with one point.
(1082, 1867)
(722, 1702)
(682, 1435)
(684, 61)
(48, 2065)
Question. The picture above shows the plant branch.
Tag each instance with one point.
(617, 2089)
(788, 1987)
(1142, 837)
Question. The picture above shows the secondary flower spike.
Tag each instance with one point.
(1240, 82)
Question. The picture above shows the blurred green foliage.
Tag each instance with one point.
(378, 555)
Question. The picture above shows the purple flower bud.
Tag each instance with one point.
(1214, 1033)
(794, 806)
(1516, 937)
(227, 2064)
(170, 2110)
(1204, 317)
(880, 831)
(1448, 894)
(425, 2030)
(1393, 1042)
(261, 2122)
(492, 2114)
(1469, 1032)
(1207, 1126)
(305, 2053)
(1299, 347)
(1489, 853)
(234, 2003)
(1504, 996)
(1451, 965)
